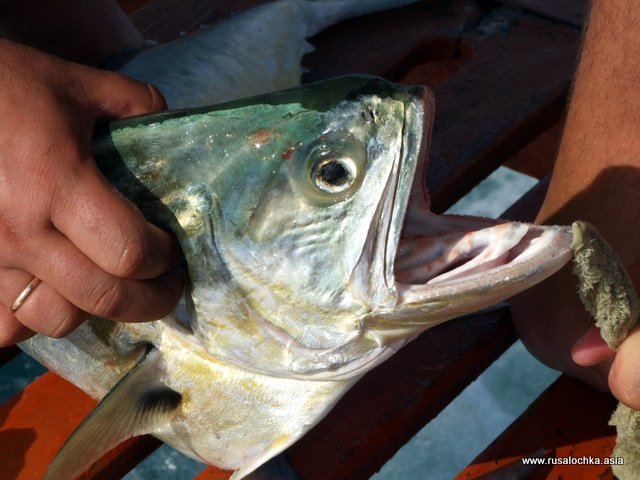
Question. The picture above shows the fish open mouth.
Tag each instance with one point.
(474, 262)
(436, 267)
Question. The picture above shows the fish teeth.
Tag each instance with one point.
(499, 240)
(445, 257)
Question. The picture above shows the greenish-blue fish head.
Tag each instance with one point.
(308, 218)
(290, 209)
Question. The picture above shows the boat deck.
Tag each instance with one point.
(500, 71)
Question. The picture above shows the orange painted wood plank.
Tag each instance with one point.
(513, 89)
(36, 422)
(213, 473)
(570, 420)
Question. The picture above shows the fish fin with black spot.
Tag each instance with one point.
(138, 404)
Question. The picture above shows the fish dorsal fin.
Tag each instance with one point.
(139, 403)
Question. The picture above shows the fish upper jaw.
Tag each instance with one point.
(373, 278)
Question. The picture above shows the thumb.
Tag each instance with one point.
(624, 377)
(111, 95)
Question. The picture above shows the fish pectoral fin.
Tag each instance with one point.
(139, 403)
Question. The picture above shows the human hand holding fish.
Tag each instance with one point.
(60, 220)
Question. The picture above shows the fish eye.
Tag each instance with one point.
(330, 169)
(333, 175)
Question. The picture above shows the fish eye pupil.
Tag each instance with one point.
(332, 168)
(333, 176)
(333, 173)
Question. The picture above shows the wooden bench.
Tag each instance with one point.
(500, 72)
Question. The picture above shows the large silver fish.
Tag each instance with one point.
(289, 208)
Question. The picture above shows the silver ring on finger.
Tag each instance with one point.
(28, 290)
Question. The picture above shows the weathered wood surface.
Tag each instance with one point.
(500, 78)
(163, 20)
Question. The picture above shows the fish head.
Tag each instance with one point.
(306, 228)
(338, 259)
(299, 245)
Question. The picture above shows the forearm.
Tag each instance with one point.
(81, 30)
(597, 174)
